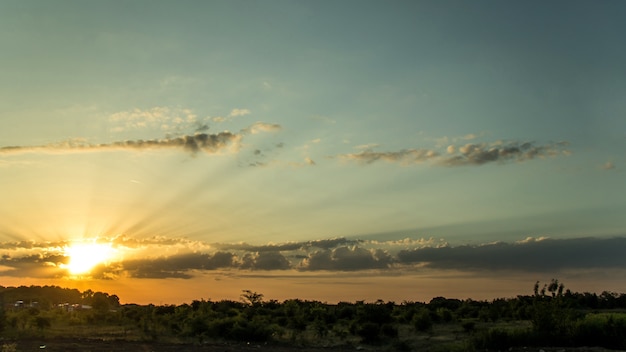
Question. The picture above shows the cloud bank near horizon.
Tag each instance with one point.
(189, 258)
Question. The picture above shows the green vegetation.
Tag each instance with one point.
(552, 316)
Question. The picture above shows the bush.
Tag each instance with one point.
(402, 346)
(468, 326)
(601, 330)
(422, 320)
(369, 332)
(500, 339)
(445, 314)
(389, 330)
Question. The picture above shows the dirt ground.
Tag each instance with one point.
(87, 345)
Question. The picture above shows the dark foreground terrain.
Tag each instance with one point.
(87, 345)
(552, 319)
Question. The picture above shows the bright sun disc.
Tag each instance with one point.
(83, 257)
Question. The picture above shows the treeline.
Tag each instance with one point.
(551, 316)
(46, 297)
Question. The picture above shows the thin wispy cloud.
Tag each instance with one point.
(475, 154)
(447, 140)
(405, 156)
(193, 143)
(483, 153)
(258, 127)
(199, 142)
(239, 112)
(162, 118)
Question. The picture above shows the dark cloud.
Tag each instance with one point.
(177, 266)
(219, 260)
(44, 258)
(482, 153)
(201, 127)
(209, 143)
(35, 265)
(180, 266)
(265, 261)
(106, 271)
(346, 259)
(541, 256)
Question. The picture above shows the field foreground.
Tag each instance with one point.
(97, 322)
(93, 345)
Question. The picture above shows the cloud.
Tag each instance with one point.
(177, 266)
(208, 143)
(346, 259)
(406, 156)
(536, 255)
(32, 265)
(368, 146)
(469, 154)
(201, 127)
(470, 136)
(239, 112)
(160, 117)
(482, 153)
(261, 127)
(265, 261)
(231, 115)
(289, 246)
(193, 143)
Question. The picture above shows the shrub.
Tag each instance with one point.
(369, 332)
(445, 314)
(500, 338)
(389, 330)
(468, 326)
(422, 320)
(601, 330)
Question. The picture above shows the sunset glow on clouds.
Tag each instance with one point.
(417, 144)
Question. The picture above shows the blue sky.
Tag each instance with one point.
(446, 123)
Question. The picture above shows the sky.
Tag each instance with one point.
(325, 150)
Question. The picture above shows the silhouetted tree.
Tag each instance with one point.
(251, 298)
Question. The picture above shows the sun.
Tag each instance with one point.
(85, 256)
